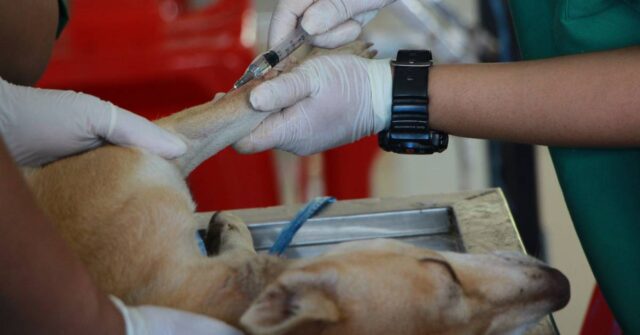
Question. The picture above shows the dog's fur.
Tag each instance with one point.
(129, 216)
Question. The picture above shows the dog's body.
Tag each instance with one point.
(130, 218)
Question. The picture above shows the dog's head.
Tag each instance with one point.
(388, 287)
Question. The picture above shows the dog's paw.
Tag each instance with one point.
(227, 232)
(357, 48)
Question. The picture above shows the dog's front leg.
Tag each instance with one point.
(213, 126)
(210, 127)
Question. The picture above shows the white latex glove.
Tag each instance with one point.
(328, 101)
(151, 320)
(331, 22)
(39, 126)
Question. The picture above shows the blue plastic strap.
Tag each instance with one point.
(312, 208)
(201, 245)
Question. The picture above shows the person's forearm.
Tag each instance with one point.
(585, 100)
(27, 34)
(44, 288)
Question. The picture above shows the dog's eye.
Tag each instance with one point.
(446, 265)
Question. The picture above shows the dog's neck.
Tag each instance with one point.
(255, 275)
(228, 298)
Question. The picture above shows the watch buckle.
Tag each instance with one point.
(411, 64)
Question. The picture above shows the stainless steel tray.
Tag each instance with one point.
(432, 228)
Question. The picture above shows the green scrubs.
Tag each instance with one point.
(601, 186)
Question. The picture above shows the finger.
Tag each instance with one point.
(366, 17)
(162, 320)
(285, 19)
(290, 130)
(128, 129)
(340, 35)
(268, 135)
(283, 91)
(324, 15)
(195, 324)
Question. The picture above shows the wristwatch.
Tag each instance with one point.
(409, 132)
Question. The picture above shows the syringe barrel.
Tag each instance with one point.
(290, 43)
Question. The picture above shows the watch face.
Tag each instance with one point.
(434, 142)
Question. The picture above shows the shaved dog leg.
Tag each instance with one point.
(213, 126)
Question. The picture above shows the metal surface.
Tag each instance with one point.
(429, 228)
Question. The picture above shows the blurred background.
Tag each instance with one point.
(156, 57)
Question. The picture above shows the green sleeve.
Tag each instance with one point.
(63, 16)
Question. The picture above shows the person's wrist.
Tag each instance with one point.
(380, 81)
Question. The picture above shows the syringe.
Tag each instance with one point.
(267, 60)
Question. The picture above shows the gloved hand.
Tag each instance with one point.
(328, 101)
(150, 320)
(39, 126)
(332, 22)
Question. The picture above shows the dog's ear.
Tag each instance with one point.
(296, 300)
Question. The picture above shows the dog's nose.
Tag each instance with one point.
(558, 287)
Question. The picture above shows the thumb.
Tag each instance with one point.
(268, 135)
(165, 321)
(283, 91)
(128, 129)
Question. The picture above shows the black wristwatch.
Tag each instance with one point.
(409, 132)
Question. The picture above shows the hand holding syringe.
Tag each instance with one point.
(267, 60)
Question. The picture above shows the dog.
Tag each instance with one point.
(129, 216)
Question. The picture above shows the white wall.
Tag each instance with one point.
(563, 248)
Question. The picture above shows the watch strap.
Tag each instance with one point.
(410, 103)
(409, 130)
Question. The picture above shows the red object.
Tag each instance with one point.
(599, 319)
(156, 57)
(348, 169)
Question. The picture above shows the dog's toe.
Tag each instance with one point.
(226, 232)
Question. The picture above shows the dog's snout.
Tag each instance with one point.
(517, 258)
(557, 287)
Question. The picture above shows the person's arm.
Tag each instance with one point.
(586, 100)
(44, 288)
(27, 34)
(590, 100)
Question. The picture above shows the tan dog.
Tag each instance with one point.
(129, 216)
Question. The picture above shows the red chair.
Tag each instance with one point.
(156, 57)
(347, 170)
